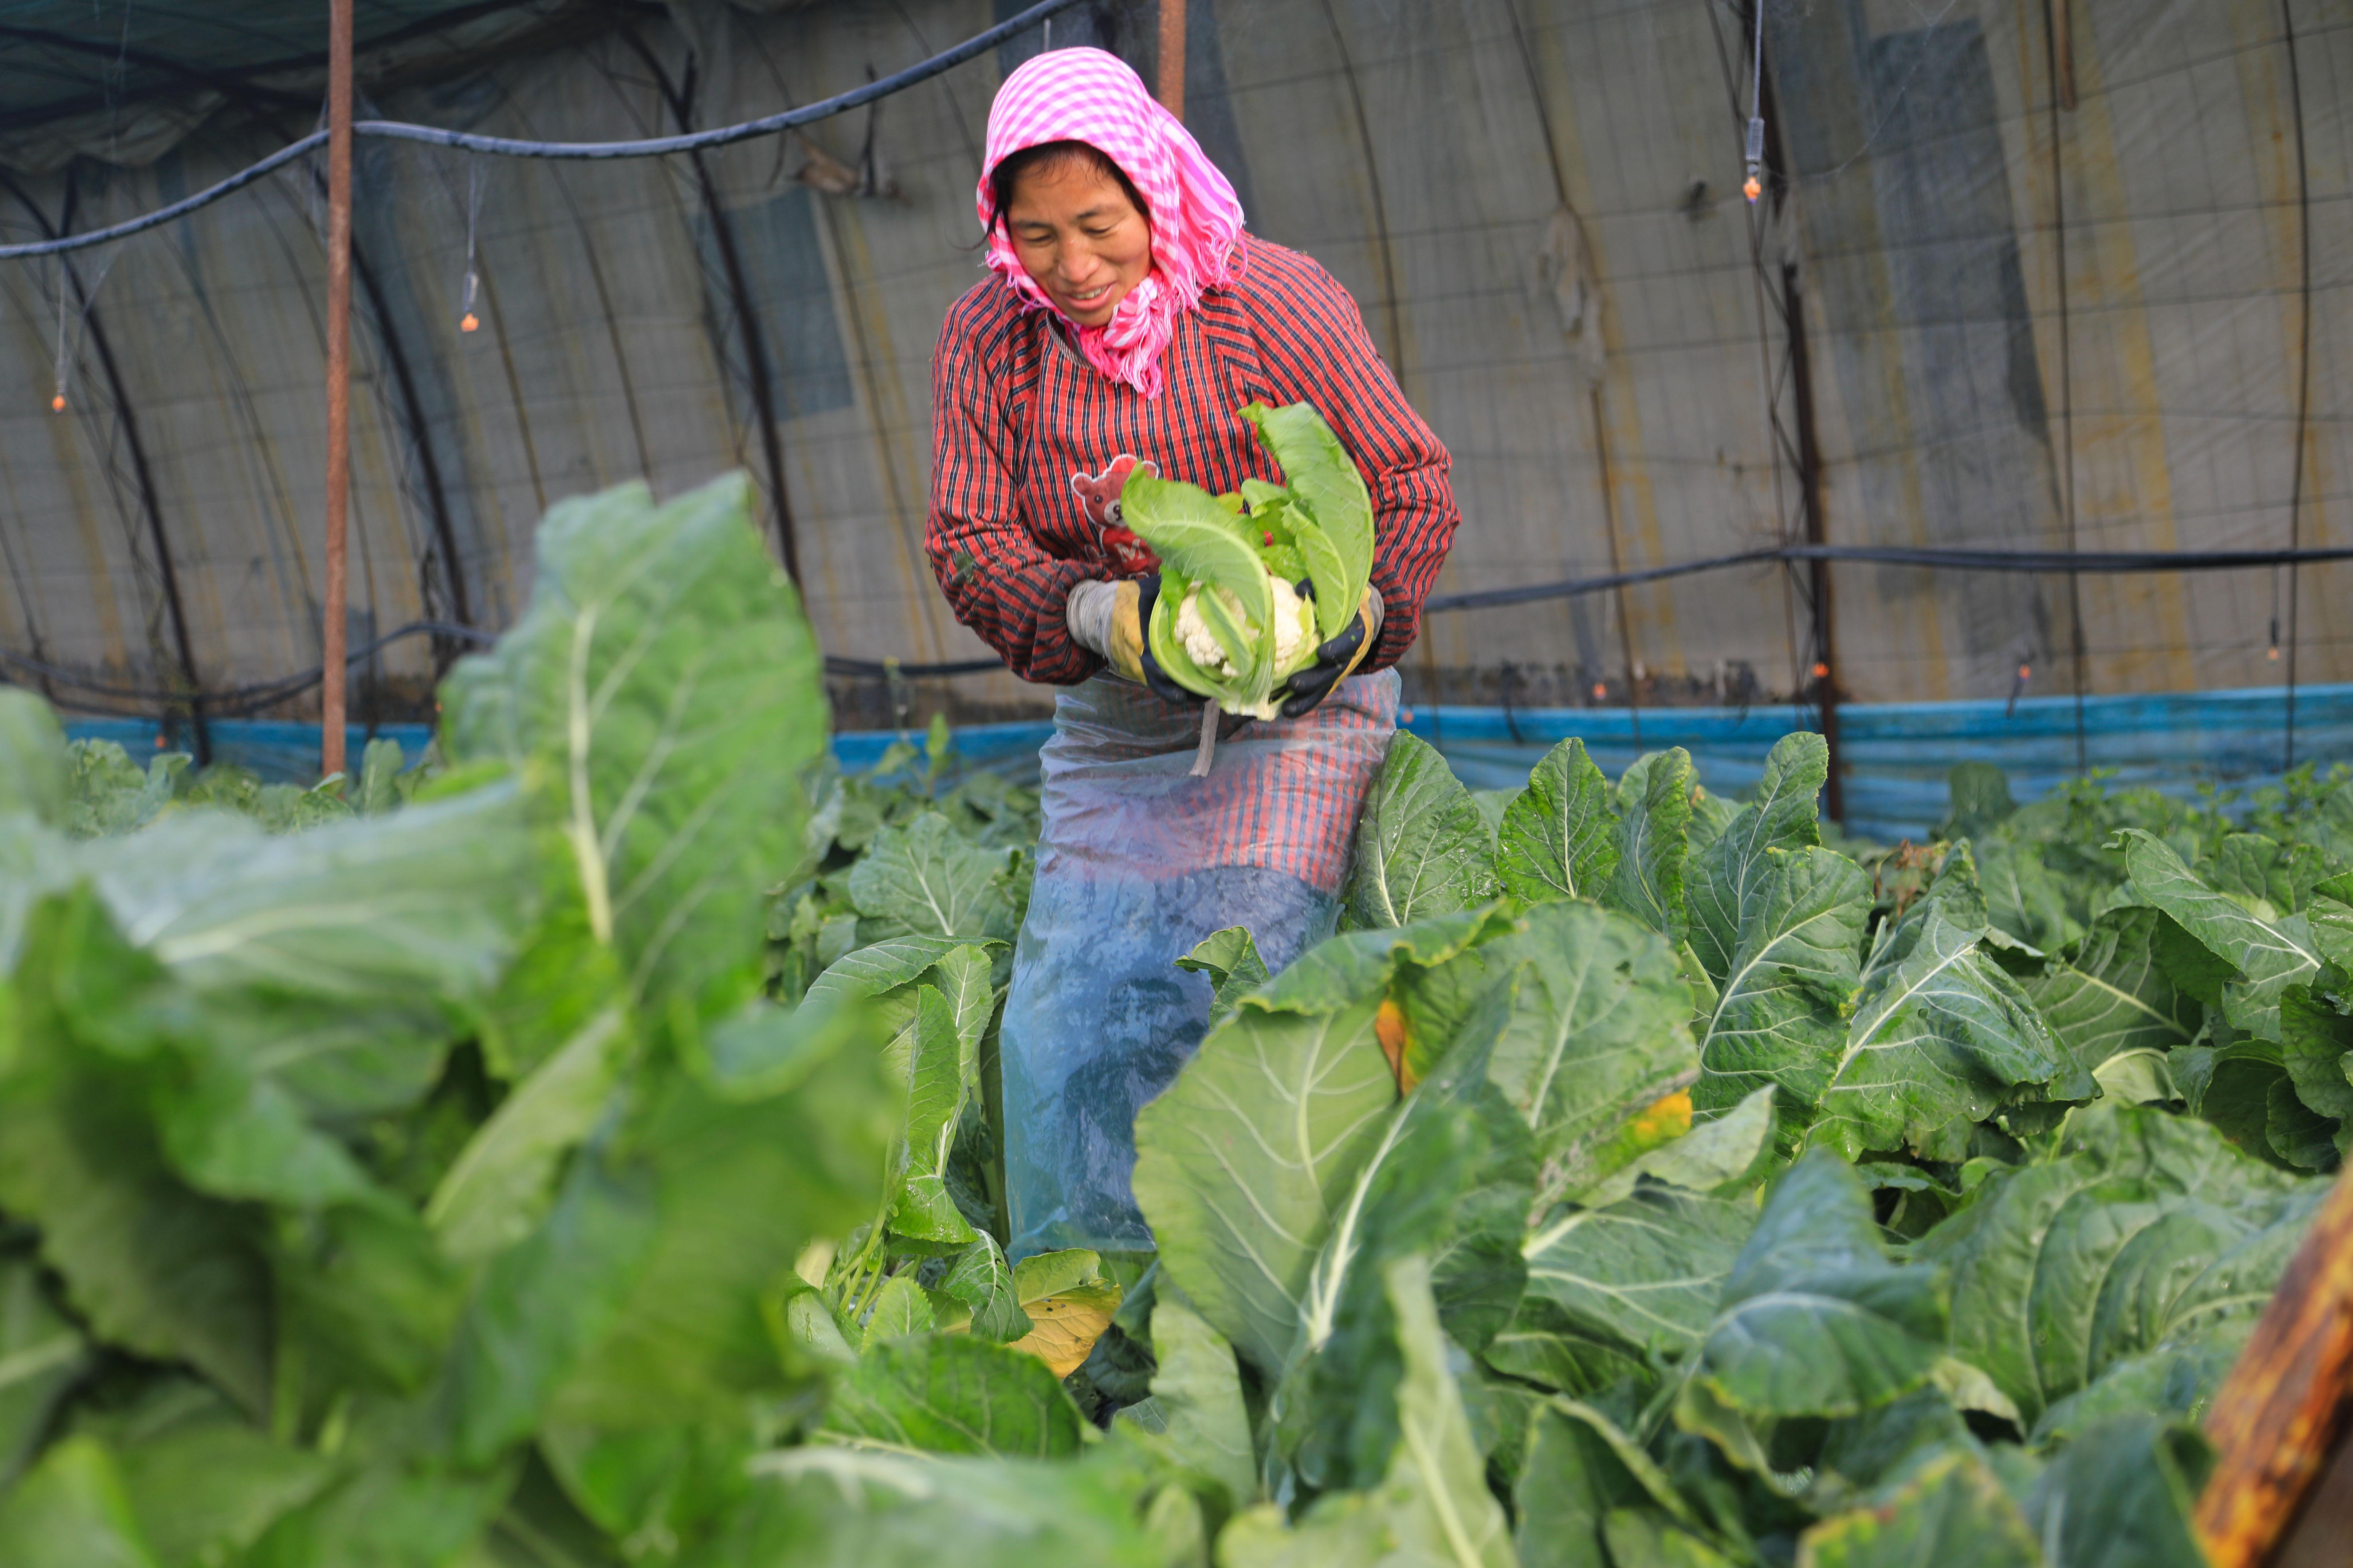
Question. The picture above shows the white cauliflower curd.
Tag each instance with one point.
(1294, 629)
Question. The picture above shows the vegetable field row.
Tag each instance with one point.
(581, 1150)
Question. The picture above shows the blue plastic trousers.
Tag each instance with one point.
(1137, 862)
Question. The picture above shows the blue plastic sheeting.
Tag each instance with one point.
(1896, 754)
(279, 750)
(1009, 749)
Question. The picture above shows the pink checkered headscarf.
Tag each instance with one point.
(1086, 95)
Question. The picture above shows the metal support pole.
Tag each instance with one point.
(1172, 56)
(1809, 498)
(338, 379)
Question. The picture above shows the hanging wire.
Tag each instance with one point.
(2304, 389)
(1780, 447)
(69, 351)
(516, 147)
(2080, 656)
(467, 320)
(1754, 188)
(58, 405)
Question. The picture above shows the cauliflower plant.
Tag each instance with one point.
(1294, 629)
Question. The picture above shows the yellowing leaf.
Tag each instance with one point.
(1396, 1035)
(1070, 1303)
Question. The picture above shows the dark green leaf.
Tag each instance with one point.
(1422, 849)
(1953, 1514)
(1646, 1272)
(1242, 1162)
(2271, 956)
(927, 879)
(41, 1355)
(1197, 1388)
(1433, 1506)
(953, 1394)
(658, 696)
(386, 1516)
(2299, 1134)
(1580, 1468)
(151, 1265)
(823, 1504)
(740, 1186)
(2315, 1039)
(206, 1490)
(504, 1180)
(1354, 965)
(1722, 879)
(2121, 1495)
(921, 1208)
(1653, 822)
(34, 771)
(541, 1305)
(1940, 1041)
(1335, 1410)
(1597, 1031)
(981, 1279)
(1814, 1320)
(1779, 1016)
(2043, 1249)
(1558, 837)
(1980, 800)
(2024, 897)
(2112, 998)
(1229, 958)
(73, 1512)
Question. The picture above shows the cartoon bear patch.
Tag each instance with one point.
(1099, 494)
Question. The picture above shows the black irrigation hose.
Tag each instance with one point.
(510, 147)
(264, 694)
(245, 699)
(886, 669)
(2097, 562)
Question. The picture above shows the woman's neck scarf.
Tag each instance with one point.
(1086, 95)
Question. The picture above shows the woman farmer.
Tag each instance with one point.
(1127, 322)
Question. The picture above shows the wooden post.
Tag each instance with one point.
(338, 379)
(1172, 56)
(2280, 1410)
(2062, 53)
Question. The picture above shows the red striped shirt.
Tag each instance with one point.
(1282, 794)
(1016, 414)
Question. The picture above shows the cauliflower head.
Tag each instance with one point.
(1294, 629)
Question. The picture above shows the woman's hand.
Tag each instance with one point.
(1337, 658)
(1109, 618)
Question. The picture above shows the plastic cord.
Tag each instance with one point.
(2099, 563)
(263, 694)
(512, 147)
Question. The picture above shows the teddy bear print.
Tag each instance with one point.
(1098, 495)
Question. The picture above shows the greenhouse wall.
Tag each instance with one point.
(2118, 325)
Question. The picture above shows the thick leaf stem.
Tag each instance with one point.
(586, 848)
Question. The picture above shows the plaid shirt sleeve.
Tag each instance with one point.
(1313, 343)
(997, 578)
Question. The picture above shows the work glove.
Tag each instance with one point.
(1109, 619)
(1337, 658)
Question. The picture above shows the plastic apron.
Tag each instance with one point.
(1137, 862)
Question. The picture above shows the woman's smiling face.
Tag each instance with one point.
(1079, 236)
